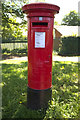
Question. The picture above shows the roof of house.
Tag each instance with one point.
(68, 30)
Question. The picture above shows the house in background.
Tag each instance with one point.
(64, 31)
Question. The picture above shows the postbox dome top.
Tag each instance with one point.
(40, 7)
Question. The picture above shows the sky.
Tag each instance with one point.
(65, 7)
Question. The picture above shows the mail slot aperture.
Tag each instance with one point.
(39, 24)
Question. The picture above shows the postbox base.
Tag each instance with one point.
(37, 99)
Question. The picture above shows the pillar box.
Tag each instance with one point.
(40, 46)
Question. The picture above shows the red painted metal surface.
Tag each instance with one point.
(40, 28)
(40, 9)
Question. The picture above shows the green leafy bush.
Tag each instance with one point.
(5, 50)
(69, 46)
(19, 51)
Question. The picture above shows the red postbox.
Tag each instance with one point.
(40, 46)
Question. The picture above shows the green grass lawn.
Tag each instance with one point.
(64, 103)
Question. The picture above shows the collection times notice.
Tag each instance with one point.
(39, 39)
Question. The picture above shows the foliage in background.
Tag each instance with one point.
(64, 103)
(71, 19)
(14, 52)
(11, 28)
(56, 23)
(19, 52)
(69, 46)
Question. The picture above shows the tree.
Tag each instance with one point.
(56, 23)
(71, 19)
(11, 29)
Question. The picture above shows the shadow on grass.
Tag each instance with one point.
(14, 79)
(65, 90)
(65, 87)
(65, 78)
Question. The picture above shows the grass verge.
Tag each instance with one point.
(64, 103)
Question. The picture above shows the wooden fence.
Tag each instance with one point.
(11, 46)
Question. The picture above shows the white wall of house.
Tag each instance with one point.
(68, 30)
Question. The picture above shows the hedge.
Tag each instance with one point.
(69, 46)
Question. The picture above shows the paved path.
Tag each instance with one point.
(59, 58)
(56, 58)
